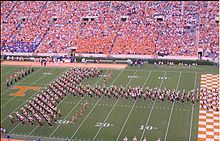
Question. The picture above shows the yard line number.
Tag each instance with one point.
(100, 124)
(133, 76)
(63, 121)
(105, 125)
(163, 78)
(148, 127)
(47, 73)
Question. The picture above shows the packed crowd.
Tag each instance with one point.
(54, 26)
(43, 107)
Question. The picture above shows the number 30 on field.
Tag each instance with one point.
(99, 124)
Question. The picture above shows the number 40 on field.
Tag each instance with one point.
(148, 127)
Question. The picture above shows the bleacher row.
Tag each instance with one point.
(54, 26)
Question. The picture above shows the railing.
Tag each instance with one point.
(125, 56)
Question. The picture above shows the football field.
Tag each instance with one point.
(110, 119)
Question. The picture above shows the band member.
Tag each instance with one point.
(31, 120)
(77, 115)
(12, 119)
(125, 139)
(81, 111)
(85, 105)
(105, 80)
(22, 72)
(134, 138)
(110, 75)
(20, 118)
(7, 81)
(28, 70)
(73, 119)
(19, 75)
(25, 71)
(11, 79)
(15, 77)
(59, 113)
(32, 69)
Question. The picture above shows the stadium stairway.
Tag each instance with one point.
(113, 42)
(11, 10)
(12, 36)
(44, 7)
(43, 35)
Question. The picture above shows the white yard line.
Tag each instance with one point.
(126, 120)
(5, 92)
(190, 131)
(148, 118)
(106, 118)
(132, 109)
(73, 109)
(112, 110)
(168, 126)
(94, 107)
(28, 99)
(30, 85)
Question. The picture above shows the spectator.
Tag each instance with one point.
(28, 28)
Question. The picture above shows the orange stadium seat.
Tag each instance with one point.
(107, 33)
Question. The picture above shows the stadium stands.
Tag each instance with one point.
(111, 27)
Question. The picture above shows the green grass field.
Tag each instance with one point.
(111, 119)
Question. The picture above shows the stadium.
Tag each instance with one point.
(110, 71)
